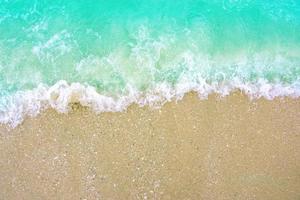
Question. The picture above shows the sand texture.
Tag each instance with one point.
(229, 148)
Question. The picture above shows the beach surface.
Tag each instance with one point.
(219, 148)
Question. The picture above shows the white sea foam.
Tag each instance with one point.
(60, 96)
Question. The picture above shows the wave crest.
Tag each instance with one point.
(14, 108)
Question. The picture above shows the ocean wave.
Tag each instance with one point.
(14, 108)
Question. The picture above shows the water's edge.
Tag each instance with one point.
(62, 94)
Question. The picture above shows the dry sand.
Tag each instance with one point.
(227, 148)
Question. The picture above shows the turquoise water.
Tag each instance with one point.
(127, 50)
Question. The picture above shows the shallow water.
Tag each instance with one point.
(141, 51)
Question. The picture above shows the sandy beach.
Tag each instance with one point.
(219, 148)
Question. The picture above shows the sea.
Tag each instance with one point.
(109, 54)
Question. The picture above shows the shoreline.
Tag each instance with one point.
(59, 96)
(219, 148)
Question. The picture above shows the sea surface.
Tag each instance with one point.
(109, 54)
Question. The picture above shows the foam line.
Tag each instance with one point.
(14, 108)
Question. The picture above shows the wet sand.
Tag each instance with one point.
(227, 148)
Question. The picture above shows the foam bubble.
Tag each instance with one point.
(14, 108)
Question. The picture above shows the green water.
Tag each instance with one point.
(114, 45)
